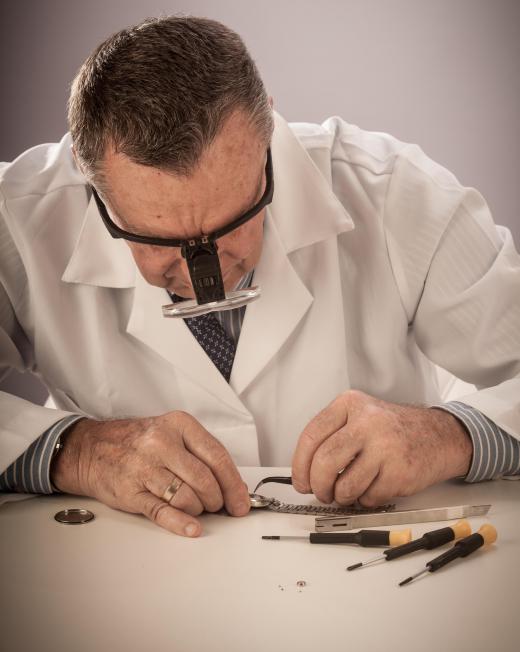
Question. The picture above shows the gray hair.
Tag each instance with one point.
(160, 91)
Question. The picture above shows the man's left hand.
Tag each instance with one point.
(362, 448)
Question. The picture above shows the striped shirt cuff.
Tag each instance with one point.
(495, 452)
(30, 473)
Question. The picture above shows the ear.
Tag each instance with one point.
(271, 101)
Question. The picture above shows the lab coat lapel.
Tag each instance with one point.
(97, 258)
(304, 211)
(271, 319)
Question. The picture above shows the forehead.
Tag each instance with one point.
(223, 185)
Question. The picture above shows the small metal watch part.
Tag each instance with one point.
(74, 516)
(259, 501)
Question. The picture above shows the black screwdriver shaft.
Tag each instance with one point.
(361, 538)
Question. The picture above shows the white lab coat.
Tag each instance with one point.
(376, 264)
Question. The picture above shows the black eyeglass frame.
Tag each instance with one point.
(200, 252)
(117, 232)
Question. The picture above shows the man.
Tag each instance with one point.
(373, 262)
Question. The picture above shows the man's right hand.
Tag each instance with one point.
(128, 464)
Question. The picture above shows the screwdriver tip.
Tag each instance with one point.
(406, 581)
(354, 566)
(273, 537)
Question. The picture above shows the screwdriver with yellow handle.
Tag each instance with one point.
(429, 540)
(485, 536)
(361, 538)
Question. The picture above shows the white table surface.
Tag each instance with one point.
(122, 583)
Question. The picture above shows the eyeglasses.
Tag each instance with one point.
(201, 257)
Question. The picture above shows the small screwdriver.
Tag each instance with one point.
(485, 536)
(362, 538)
(430, 540)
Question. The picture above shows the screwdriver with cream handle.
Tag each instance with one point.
(361, 538)
(429, 540)
(485, 536)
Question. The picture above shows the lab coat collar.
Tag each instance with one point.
(305, 210)
(97, 258)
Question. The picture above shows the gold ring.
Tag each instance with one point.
(172, 489)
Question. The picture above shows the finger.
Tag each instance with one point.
(355, 479)
(334, 454)
(324, 424)
(197, 475)
(166, 516)
(185, 499)
(210, 451)
(379, 492)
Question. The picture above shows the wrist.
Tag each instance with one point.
(456, 444)
(65, 462)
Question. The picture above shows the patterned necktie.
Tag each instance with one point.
(212, 337)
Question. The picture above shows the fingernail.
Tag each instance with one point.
(191, 530)
(242, 508)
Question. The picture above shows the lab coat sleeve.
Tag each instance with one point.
(21, 422)
(459, 279)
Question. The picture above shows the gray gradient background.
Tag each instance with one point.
(441, 73)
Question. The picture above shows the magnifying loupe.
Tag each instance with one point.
(201, 254)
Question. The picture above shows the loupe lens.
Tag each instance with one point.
(191, 308)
